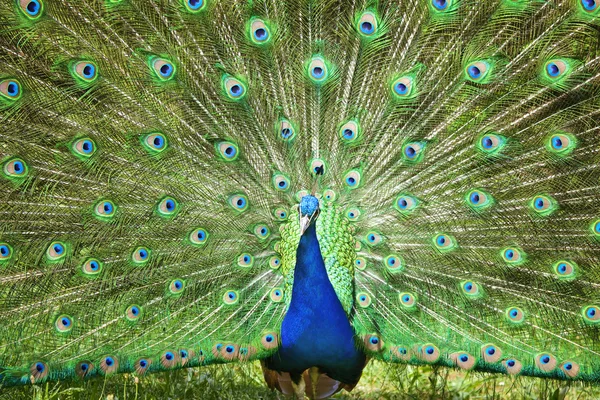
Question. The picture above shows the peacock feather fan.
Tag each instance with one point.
(307, 183)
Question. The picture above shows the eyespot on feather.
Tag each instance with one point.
(471, 289)
(167, 207)
(564, 269)
(270, 341)
(276, 295)
(360, 263)
(285, 130)
(6, 252)
(353, 214)
(591, 314)
(169, 359)
(194, 6)
(141, 255)
(543, 205)
(155, 143)
(105, 210)
(231, 297)
(163, 68)
(109, 365)
(238, 202)
(245, 260)
(133, 313)
(403, 88)
(406, 204)
(198, 236)
(367, 25)
(349, 132)
(479, 200)
(32, 9)
(56, 251)
(234, 88)
(317, 167)
(545, 361)
(352, 179)
(15, 168)
(63, 324)
(491, 144)
(176, 287)
(570, 368)
(413, 152)
(91, 268)
(10, 89)
(393, 263)
(373, 343)
(477, 71)
(513, 256)
(259, 32)
(561, 144)
(515, 315)
(317, 70)
(280, 182)
(274, 262)
(84, 368)
(142, 366)
(83, 148)
(373, 238)
(363, 299)
(261, 231)
(401, 352)
(444, 243)
(39, 371)
(228, 151)
(428, 353)
(491, 353)
(280, 214)
(463, 360)
(512, 366)
(230, 351)
(85, 71)
(408, 301)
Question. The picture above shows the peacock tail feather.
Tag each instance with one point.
(154, 153)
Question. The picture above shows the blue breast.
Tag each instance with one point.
(315, 331)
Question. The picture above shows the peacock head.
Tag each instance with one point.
(309, 211)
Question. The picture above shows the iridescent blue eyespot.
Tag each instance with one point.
(195, 5)
(589, 5)
(474, 72)
(440, 4)
(552, 69)
(401, 88)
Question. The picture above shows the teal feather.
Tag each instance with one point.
(154, 154)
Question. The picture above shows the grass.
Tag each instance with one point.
(244, 381)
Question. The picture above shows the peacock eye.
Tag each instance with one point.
(105, 210)
(234, 88)
(163, 68)
(444, 242)
(84, 148)
(491, 143)
(194, 6)
(317, 70)
(227, 150)
(561, 143)
(6, 252)
(367, 24)
(276, 294)
(373, 238)
(471, 289)
(429, 353)
(360, 263)
(543, 205)
(15, 168)
(91, 267)
(176, 286)
(477, 71)
(155, 142)
(515, 315)
(408, 301)
(285, 129)
(589, 5)
(545, 361)
(133, 313)
(260, 32)
(440, 5)
(261, 231)
(591, 314)
(317, 167)
(329, 195)
(31, 8)
(64, 324)
(403, 87)
(393, 263)
(280, 182)
(349, 131)
(280, 214)
(10, 89)
(140, 255)
(167, 207)
(413, 151)
(352, 179)
(363, 299)
(513, 255)
(556, 68)
(353, 214)
(56, 251)
(512, 366)
(479, 200)
(274, 262)
(245, 260)
(230, 297)
(85, 71)
(198, 236)
(238, 202)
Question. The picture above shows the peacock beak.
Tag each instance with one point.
(304, 223)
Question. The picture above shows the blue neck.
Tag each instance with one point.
(315, 331)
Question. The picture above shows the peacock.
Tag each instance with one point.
(312, 184)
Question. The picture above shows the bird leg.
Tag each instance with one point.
(299, 385)
(314, 380)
